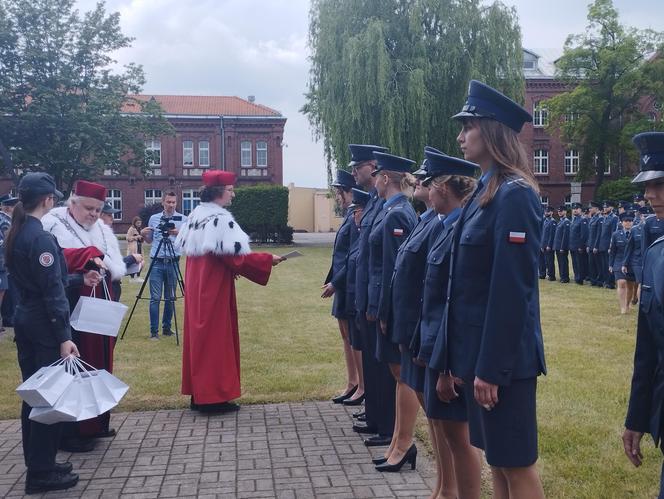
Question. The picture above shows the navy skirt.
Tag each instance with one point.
(638, 271)
(339, 304)
(354, 334)
(386, 351)
(411, 373)
(508, 432)
(619, 274)
(436, 408)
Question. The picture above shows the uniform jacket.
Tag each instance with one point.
(578, 233)
(633, 255)
(371, 210)
(390, 229)
(351, 269)
(337, 273)
(493, 319)
(549, 230)
(618, 248)
(408, 279)
(609, 226)
(644, 413)
(653, 228)
(561, 237)
(594, 229)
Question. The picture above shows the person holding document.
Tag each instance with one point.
(217, 251)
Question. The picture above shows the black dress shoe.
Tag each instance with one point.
(220, 408)
(357, 401)
(409, 457)
(347, 395)
(378, 440)
(105, 434)
(63, 468)
(76, 444)
(379, 460)
(167, 332)
(49, 480)
(359, 413)
(362, 418)
(361, 428)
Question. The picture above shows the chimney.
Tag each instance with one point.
(251, 98)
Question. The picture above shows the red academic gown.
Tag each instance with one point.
(95, 349)
(211, 346)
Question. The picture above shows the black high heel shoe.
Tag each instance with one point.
(357, 401)
(379, 460)
(347, 395)
(409, 457)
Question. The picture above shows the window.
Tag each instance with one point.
(607, 166)
(153, 152)
(245, 153)
(571, 162)
(541, 162)
(571, 117)
(540, 115)
(152, 196)
(528, 64)
(187, 153)
(203, 153)
(114, 198)
(544, 200)
(261, 154)
(568, 200)
(190, 200)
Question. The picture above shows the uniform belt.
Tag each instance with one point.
(166, 259)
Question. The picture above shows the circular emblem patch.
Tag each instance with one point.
(46, 259)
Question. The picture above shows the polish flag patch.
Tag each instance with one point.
(397, 232)
(517, 237)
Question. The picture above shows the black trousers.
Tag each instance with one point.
(563, 265)
(606, 277)
(387, 392)
(579, 265)
(40, 441)
(550, 264)
(542, 265)
(369, 368)
(594, 268)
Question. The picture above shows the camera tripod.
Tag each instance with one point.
(169, 288)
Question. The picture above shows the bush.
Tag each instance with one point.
(262, 211)
(147, 211)
(616, 190)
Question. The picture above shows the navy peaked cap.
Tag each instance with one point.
(360, 197)
(359, 153)
(8, 200)
(609, 204)
(595, 204)
(486, 102)
(651, 148)
(638, 197)
(442, 164)
(627, 216)
(562, 207)
(33, 185)
(344, 179)
(390, 162)
(423, 171)
(577, 205)
(644, 210)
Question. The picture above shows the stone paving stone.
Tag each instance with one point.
(286, 451)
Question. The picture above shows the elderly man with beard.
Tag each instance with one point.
(87, 243)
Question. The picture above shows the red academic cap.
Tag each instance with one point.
(87, 189)
(218, 177)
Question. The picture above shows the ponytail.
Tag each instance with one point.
(19, 217)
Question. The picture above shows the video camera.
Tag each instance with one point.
(166, 224)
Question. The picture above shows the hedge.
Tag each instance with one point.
(262, 212)
(620, 189)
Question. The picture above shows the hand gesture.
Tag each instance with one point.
(68, 348)
(276, 260)
(91, 278)
(486, 394)
(632, 445)
(328, 290)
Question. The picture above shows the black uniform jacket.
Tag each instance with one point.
(371, 210)
(337, 273)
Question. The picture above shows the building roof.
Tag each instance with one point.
(546, 59)
(202, 105)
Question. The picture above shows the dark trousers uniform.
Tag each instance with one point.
(542, 265)
(579, 265)
(594, 268)
(40, 441)
(605, 277)
(563, 265)
(550, 264)
(369, 369)
(386, 391)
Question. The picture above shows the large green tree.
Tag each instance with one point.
(61, 97)
(392, 72)
(616, 77)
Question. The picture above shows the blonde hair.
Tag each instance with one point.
(462, 187)
(405, 181)
(508, 154)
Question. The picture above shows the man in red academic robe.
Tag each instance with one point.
(217, 251)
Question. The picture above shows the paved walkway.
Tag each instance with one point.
(298, 450)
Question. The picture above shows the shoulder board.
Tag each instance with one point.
(517, 181)
(658, 240)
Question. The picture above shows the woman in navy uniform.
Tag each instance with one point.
(458, 462)
(644, 414)
(390, 229)
(41, 326)
(492, 337)
(617, 249)
(405, 295)
(334, 282)
(633, 256)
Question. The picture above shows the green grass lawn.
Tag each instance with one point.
(291, 351)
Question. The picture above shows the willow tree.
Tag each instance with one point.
(615, 75)
(392, 72)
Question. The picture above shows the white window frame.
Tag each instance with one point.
(261, 149)
(152, 196)
(187, 153)
(568, 200)
(541, 162)
(571, 161)
(190, 200)
(204, 153)
(114, 198)
(544, 200)
(151, 147)
(607, 166)
(245, 154)
(540, 114)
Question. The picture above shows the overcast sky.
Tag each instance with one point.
(259, 47)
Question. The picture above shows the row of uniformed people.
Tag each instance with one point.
(473, 354)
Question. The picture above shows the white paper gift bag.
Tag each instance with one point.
(96, 315)
(108, 390)
(43, 388)
(65, 409)
(115, 386)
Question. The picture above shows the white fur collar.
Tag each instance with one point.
(212, 229)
